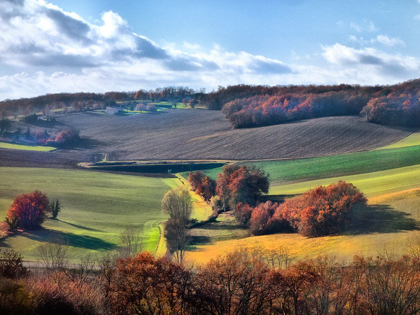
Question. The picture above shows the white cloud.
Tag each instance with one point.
(191, 46)
(77, 55)
(366, 26)
(389, 41)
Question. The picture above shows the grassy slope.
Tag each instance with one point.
(97, 207)
(411, 140)
(5, 145)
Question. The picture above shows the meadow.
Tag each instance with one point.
(96, 208)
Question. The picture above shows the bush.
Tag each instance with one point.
(11, 265)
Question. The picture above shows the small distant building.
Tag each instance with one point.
(113, 110)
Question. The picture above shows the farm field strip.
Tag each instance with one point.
(371, 184)
(12, 146)
(339, 165)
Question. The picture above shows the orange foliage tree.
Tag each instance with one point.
(241, 184)
(323, 210)
(30, 210)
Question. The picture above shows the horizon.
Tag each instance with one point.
(61, 47)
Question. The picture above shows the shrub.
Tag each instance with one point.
(11, 265)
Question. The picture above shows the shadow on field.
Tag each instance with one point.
(78, 226)
(84, 144)
(381, 219)
(81, 241)
(197, 240)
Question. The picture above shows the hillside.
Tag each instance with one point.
(202, 134)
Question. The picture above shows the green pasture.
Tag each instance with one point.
(371, 184)
(96, 208)
(284, 171)
(4, 145)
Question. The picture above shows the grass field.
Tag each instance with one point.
(411, 140)
(331, 166)
(13, 146)
(371, 184)
(97, 207)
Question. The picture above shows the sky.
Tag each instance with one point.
(107, 45)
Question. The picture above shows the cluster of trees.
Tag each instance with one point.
(202, 185)
(235, 184)
(253, 106)
(263, 110)
(241, 184)
(318, 212)
(61, 138)
(239, 283)
(28, 106)
(29, 211)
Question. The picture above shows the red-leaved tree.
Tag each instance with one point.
(30, 210)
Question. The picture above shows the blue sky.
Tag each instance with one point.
(69, 46)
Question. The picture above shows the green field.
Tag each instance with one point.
(371, 184)
(96, 208)
(411, 140)
(336, 165)
(4, 145)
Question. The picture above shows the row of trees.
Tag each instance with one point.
(239, 283)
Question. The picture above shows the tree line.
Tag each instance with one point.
(256, 106)
(241, 282)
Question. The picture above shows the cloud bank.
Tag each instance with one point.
(44, 49)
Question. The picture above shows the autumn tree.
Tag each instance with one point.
(30, 210)
(202, 185)
(241, 184)
(323, 210)
(195, 179)
(145, 285)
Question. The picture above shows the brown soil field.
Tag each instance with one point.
(204, 134)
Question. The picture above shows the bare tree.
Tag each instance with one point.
(53, 254)
(177, 203)
(130, 243)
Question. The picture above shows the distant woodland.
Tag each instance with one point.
(253, 106)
